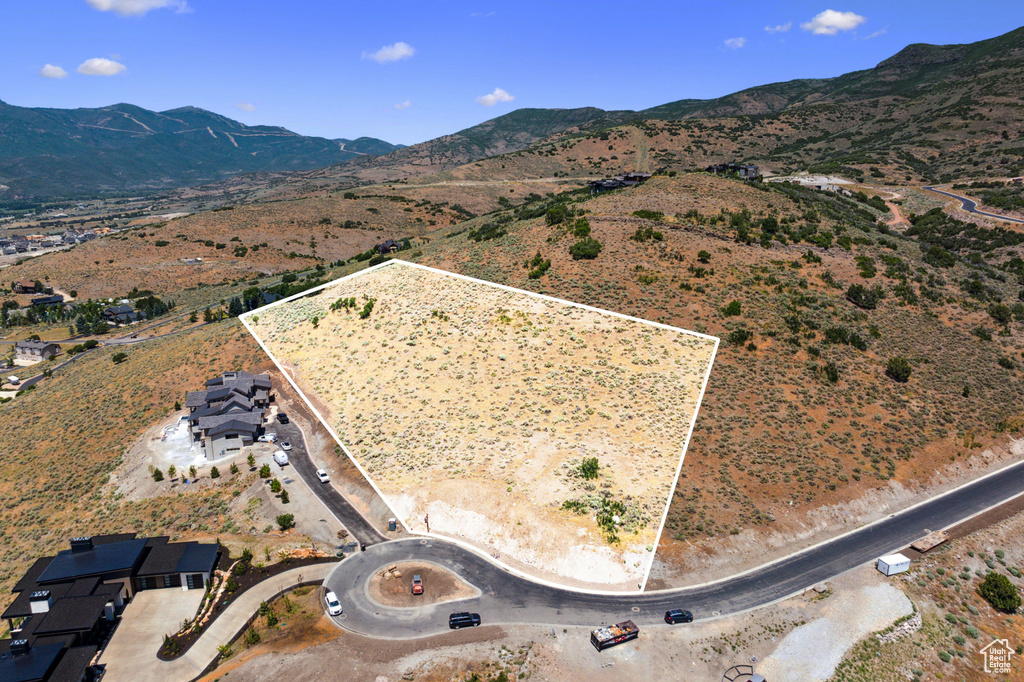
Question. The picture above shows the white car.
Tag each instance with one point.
(281, 457)
(333, 605)
(267, 438)
(286, 446)
(322, 475)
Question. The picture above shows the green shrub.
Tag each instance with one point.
(214, 472)
(649, 215)
(898, 369)
(286, 521)
(265, 471)
(158, 475)
(585, 249)
(732, 309)
(589, 468)
(998, 591)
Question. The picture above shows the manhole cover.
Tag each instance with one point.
(636, 609)
(423, 542)
(376, 613)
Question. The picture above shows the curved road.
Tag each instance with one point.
(971, 206)
(507, 598)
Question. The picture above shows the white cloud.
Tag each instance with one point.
(127, 8)
(880, 32)
(735, 43)
(831, 22)
(51, 71)
(493, 98)
(780, 28)
(98, 66)
(391, 53)
(404, 105)
(245, 106)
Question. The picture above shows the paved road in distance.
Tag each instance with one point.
(971, 206)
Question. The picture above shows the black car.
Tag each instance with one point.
(282, 417)
(463, 619)
(674, 616)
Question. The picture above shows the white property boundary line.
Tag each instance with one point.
(400, 263)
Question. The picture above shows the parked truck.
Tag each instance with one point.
(610, 635)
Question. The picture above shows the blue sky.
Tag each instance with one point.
(410, 71)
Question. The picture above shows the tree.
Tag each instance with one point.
(214, 472)
(862, 297)
(1000, 592)
(899, 369)
(171, 471)
(193, 318)
(265, 471)
(99, 327)
(207, 315)
(235, 307)
(251, 459)
(284, 497)
(286, 521)
(192, 472)
(555, 215)
(177, 406)
(732, 309)
(118, 358)
(234, 469)
(158, 475)
(275, 486)
(1000, 313)
(703, 256)
(585, 249)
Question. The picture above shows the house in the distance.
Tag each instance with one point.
(66, 605)
(619, 181)
(27, 286)
(390, 246)
(229, 414)
(48, 301)
(121, 314)
(35, 351)
(744, 171)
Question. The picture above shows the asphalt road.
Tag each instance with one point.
(508, 599)
(361, 529)
(971, 206)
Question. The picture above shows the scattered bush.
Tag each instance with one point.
(998, 591)
(286, 521)
(585, 249)
(898, 369)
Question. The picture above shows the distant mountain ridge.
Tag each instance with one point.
(127, 148)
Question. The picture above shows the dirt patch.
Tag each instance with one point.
(394, 587)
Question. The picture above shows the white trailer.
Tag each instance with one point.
(891, 564)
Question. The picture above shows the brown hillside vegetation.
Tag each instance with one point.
(777, 442)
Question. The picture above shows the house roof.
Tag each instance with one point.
(180, 557)
(73, 614)
(37, 345)
(233, 426)
(102, 558)
(195, 398)
(73, 664)
(35, 665)
(119, 310)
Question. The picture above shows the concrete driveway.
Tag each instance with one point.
(130, 656)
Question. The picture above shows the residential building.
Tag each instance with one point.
(619, 181)
(35, 351)
(229, 414)
(48, 301)
(390, 246)
(744, 171)
(122, 314)
(66, 605)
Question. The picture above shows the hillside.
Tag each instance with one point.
(127, 148)
(929, 113)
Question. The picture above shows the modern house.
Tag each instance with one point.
(35, 351)
(48, 301)
(121, 314)
(27, 286)
(229, 414)
(66, 605)
(390, 246)
(619, 181)
(744, 171)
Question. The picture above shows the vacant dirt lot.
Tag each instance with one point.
(477, 407)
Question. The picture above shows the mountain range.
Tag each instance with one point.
(929, 113)
(127, 148)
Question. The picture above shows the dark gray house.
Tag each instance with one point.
(229, 414)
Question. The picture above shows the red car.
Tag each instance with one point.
(417, 584)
